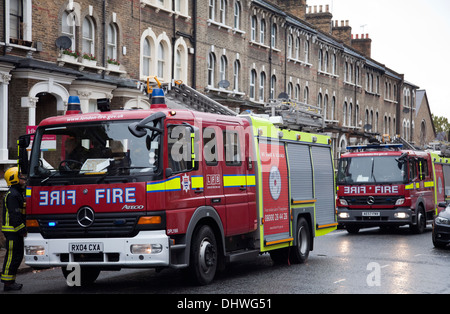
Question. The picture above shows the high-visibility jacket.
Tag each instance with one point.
(14, 211)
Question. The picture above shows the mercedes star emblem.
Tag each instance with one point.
(371, 200)
(85, 217)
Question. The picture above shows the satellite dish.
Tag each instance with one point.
(63, 42)
(283, 96)
(224, 84)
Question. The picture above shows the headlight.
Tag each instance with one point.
(442, 221)
(343, 202)
(34, 250)
(401, 215)
(400, 201)
(146, 248)
(344, 215)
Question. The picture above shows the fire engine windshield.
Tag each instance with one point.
(100, 149)
(371, 170)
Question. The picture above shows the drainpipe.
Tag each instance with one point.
(104, 38)
(174, 38)
(194, 62)
(4, 26)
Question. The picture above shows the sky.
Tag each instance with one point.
(411, 37)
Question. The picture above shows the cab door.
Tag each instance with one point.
(235, 181)
(212, 170)
(183, 184)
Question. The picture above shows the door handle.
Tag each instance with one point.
(216, 200)
(243, 188)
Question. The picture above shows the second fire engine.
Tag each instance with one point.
(385, 185)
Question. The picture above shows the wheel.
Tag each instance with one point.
(300, 253)
(421, 224)
(204, 256)
(352, 229)
(88, 275)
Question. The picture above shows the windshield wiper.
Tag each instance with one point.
(373, 166)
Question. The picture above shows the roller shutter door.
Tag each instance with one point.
(323, 185)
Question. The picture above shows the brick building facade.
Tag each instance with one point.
(239, 52)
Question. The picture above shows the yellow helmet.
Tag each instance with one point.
(12, 176)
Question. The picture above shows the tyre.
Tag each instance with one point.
(300, 252)
(421, 223)
(352, 229)
(204, 256)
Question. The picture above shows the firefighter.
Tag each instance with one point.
(13, 227)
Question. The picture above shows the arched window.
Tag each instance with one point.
(262, 83)
(325, 107)
(297, 49)
(273, 35)
(112, 41)
(146, 57)
(252, 84)
(212, 9)
(211, 69)
(289, 46)
(290, 89)
(236, 74)
(237, 15)
(306, 51)
(68, 27)
(161, 60)
(333, 108)
(88, 44)
(262, 31)
(344, 114)
(223, 11)
(273, 85)
(306, 95)
(223, 68)
(297, 92)
(181, 60)
(16, 19)
(254, 25)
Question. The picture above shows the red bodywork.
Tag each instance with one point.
(236, 205)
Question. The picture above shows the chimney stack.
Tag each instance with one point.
(321, 19)
(363, 44)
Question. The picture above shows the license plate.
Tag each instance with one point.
(371, 214)
(85, 247)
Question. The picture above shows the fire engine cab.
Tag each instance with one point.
(384, 185)
(173, 188)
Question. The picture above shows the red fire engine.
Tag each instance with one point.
(174, 188)
(384, 185)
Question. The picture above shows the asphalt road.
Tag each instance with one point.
(371, 262)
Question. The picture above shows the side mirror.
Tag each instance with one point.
(442, 204)
(137, 128)
(169, 172)
(23, 142)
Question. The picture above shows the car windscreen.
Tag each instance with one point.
(101, 148)
(371, 170)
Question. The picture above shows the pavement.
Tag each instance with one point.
(23, 268)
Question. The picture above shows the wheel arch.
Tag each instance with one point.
(205, 215)
(308, 214)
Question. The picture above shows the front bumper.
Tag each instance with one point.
(441, 234)
(116, 252)
(375, 217)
